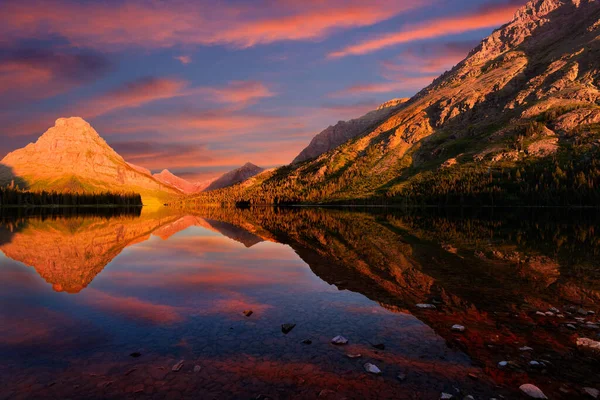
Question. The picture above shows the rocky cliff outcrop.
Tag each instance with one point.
(343, 131)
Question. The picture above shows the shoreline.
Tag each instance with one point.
(73, 206)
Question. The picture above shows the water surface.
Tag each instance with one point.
(103, 306)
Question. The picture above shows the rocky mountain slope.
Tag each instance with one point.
(238, 175)
(71, 156)
(520, 113)
(341, 132)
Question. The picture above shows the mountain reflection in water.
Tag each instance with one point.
(172, 286)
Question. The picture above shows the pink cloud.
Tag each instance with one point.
(486, 17)
(146, 23)
(237, 92)
(206, 123)
(133, 94)
(27, 74)
(184, 59)
(149, 89)
(434, 60)
(158, 155)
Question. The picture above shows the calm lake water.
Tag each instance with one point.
(104, 306)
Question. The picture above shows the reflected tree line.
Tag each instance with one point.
(487, 269)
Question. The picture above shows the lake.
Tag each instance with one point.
(155, 303)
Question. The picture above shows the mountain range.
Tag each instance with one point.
(72, 157)
(518, 119)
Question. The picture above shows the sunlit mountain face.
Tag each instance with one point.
(340, 199)
(104, 306)
(202, 87)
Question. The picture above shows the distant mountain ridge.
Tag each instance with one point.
(236, 176)
(185, 186)
(72, 157)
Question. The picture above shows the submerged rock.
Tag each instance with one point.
(339, 340)
(379, 346)
(372, 369)
(532, 391)
(248, 313)
(177, 366)
(535, 364)
(307, 341)
(286, 328)
(593, 393)
(588, 344)
(135, 354)
(326, 393)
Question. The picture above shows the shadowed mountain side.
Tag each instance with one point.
(226, 229)
(235, 176)
(8, 177)
(494, 287)
(68, 253)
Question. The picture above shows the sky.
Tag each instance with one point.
(203, 86)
